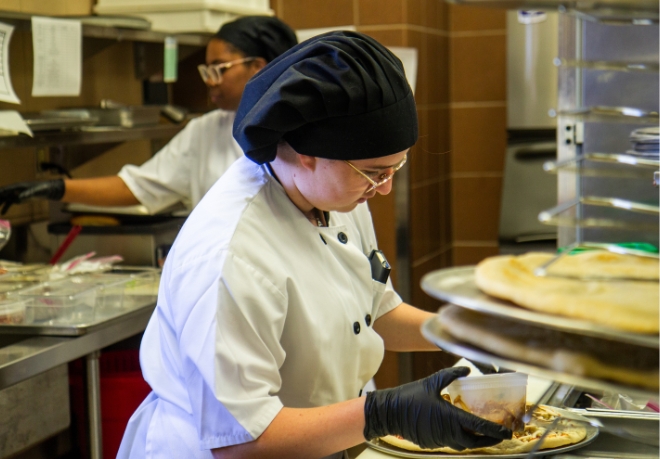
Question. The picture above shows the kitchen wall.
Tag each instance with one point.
(478, 129)
(456, 167)
(106, 75)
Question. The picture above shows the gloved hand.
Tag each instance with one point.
(19, 192)
(418, 413)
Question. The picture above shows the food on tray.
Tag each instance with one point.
(12, 315)
(94, 220)
(622, 304)
(560, 351)
(524, 441)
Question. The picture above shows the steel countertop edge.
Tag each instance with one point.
(35, 354)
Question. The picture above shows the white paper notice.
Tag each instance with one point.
(408, 58)
(7, 93)
(57, 47)
(11, 123)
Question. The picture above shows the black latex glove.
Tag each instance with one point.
(418, 413)
(19, 192)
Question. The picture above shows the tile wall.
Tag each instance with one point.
(477, 88)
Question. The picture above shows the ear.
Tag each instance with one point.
(308, 162)
(258, 64)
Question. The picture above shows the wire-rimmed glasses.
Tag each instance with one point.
(213, 73)
(379, 178)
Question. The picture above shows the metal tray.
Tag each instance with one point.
(432, 332)
(457, 286)
(378, 445)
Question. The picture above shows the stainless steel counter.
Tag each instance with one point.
(25, 356)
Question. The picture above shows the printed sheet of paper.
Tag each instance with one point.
(408, 58)
(11, 123)
(57, 47)
(7, 93)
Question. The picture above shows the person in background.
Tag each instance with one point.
(185, 169)
(275, 306)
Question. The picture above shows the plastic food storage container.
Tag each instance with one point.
(14, 282)
(110, 290)
(61, 302)
(142, 289)
(498, 397)
(12, 311)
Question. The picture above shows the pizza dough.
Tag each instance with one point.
(624, 305)
(94, 220)
(560, 351)
(522, 442)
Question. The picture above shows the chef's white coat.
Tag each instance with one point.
(258, 309)
(188, 166)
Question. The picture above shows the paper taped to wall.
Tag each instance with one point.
(57, 47)
(7, 93)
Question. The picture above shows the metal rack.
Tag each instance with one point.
(608, 86)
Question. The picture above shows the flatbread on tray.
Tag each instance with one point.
(560, 351)
(620, 304)
(522, 442)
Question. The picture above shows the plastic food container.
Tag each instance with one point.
(498, 397)
(142, 289)
(110, 290)
(12, 311)
(61, 302)
(14, 282)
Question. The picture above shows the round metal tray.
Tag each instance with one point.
(432, 332)
(378, 445)
(457, 286)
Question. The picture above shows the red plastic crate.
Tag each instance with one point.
(122, 391)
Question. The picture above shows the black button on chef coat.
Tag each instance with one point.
(356, 328)
(367, 319)
(342, 238)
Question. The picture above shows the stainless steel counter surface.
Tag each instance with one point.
(28, 355)
(23, 356)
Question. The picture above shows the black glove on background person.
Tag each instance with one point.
(418, 413)
(19, 192)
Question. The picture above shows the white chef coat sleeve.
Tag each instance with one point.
(231, 353)
(164, 179)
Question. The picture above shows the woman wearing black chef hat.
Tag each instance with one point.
(184, 170)
(271, 317)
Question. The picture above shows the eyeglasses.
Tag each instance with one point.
(379, 178)
(213, 73)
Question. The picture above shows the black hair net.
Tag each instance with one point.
(340, 95)
(258, 36)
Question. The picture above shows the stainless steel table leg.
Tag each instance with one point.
(94, 405)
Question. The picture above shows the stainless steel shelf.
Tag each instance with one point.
(91, 135)
(114, 28)
(644, 67)
(556, 217)
(603, 114)
(618, 11)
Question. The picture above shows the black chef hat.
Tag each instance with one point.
(258, 36)
(340, 95)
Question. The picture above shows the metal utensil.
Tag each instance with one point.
(5, 232)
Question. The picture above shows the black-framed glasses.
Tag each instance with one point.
(214, 72)
(379, 178)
